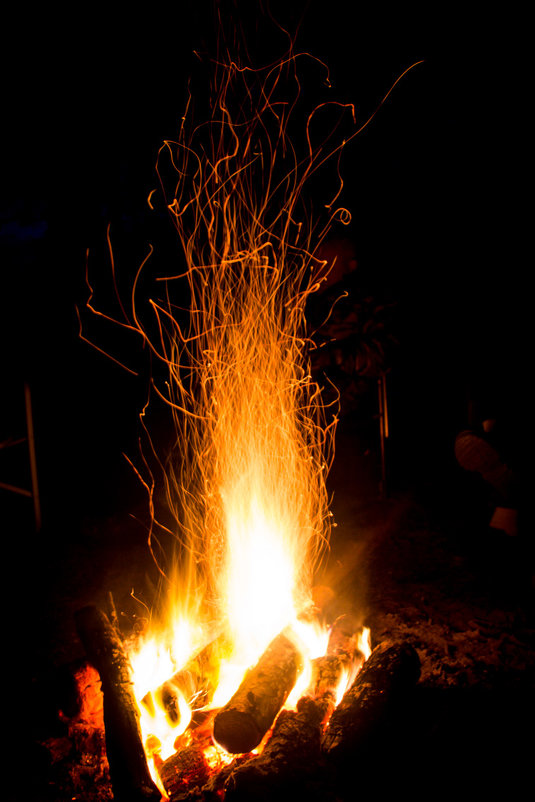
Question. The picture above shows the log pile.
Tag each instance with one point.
(305, 747)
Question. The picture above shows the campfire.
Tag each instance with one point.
(249, 748)
(240, 686)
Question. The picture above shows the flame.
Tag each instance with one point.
(365, 642)
(245, 484)
(363, 651)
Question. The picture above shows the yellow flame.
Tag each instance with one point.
(364, 642)
(363, 651)
(259, 578)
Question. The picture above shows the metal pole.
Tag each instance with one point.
(385, 407)
(33, 461)
(14, 489)
(383, 427)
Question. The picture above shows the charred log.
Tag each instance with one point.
(129, 772)
(391, 669)
(290, 763)
(215, 787)
(184, 772)
(242, 723)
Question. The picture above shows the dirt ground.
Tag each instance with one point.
(418, 563)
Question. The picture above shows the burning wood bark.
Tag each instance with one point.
(129, 772)
(390, 670)
(197, 679)
(301, 753)
(292, 763)
(184, 771)
(327, 671)
(242, 723)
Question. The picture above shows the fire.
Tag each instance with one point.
(246, 483)
(247, 489)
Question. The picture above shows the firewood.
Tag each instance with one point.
(326, 675)
(341, 652)
(343, 636)
(197, 680)
(242, 723)
(391, 669)
(290, 763)
(129, 773)
(184, 771)
(327, 671)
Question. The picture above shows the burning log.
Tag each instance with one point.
(242, 723)
(197, 679)
(129, 772)
(327, 670)
(289, 761)
(342, 651)
(343, 636)
(184, 771)
(389, 671)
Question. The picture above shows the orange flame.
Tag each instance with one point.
(247, 487)
(246, 483)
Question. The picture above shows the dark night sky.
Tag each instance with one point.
(432, 186)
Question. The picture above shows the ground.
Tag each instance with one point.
(416, 563)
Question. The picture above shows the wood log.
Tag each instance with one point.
(197, 680)
(343, 636)
(391, 669)
(242, 723)
(184, 771)
(326, 675)
(341, 651)
(342, 655)
(129, 772)
(290, 763)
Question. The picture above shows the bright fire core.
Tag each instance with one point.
(246, 483)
